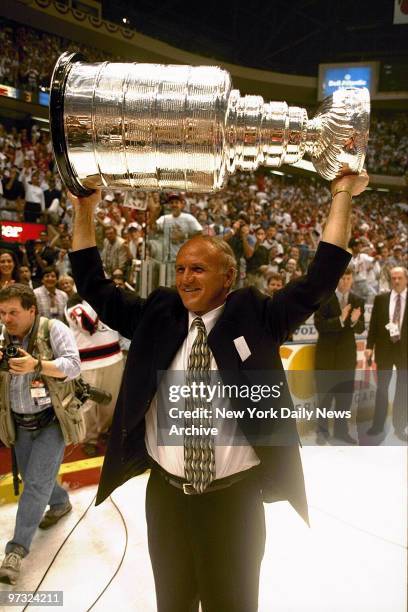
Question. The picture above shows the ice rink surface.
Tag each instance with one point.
(352, 559)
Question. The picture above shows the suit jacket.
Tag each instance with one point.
(158, 326)
(387, 353)
(336, 345)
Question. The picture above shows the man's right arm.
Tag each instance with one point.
(119, 309)
(337, 229)
(84, 220)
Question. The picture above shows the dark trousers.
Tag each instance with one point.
(32, 212)
(206, 547)
(337, 385)
(399, 412)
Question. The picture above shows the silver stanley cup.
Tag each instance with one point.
(153, 127)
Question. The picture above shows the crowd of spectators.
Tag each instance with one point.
(29, 55)
(388, 145)
(273, 224)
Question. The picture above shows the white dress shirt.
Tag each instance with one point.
(185, 223)
(393, 299)
(228, 459)
(361, 265)
(33, 193)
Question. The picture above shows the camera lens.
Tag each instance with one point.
(11, 351)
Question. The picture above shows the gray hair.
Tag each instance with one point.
(224, 249)
(399, 269)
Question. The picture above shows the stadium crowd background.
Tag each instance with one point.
(290, 209)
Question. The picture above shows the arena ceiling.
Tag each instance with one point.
(291, 36)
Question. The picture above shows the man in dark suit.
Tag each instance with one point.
(204, 510)
(337, 322)
(387, 338)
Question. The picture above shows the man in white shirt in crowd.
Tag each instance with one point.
(34, 195)
(62, 262)
(176, 226)
(361, 265)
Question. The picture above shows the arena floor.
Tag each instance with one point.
(353, 559)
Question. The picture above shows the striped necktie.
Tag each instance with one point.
(199, 456)
(343, 300)
(396, 317)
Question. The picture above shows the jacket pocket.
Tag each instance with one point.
(71, 419)
(7, 428)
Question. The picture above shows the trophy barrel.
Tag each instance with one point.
(139, 126)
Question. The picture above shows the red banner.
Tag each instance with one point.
(16, 231)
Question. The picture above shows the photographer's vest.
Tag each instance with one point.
(62, 393)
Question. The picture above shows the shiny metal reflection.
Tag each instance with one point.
(151, 127)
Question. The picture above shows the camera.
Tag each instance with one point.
(9, 352)
(84, 391)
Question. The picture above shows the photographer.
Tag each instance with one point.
(38, 413)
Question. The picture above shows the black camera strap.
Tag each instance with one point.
(15, 471)
(33, 336)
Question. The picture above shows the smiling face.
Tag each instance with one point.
(49, 280)
(66, 284)
(176, 206)
(203, 278)
(6, 265)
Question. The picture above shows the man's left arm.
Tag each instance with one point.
(338, 226)
(291, 306)
(300, 298)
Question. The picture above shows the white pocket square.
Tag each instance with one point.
(242, 348)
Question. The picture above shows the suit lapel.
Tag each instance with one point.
(221, 343)
(404, 318)
(334, 305)
(387, 307)
(172, 335)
